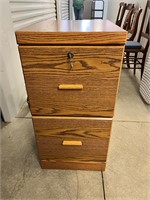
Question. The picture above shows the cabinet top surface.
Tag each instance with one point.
(73, 26)
(71, 32)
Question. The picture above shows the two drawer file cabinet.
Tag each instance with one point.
(71, 71)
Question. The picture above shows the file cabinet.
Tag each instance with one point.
(72, 71)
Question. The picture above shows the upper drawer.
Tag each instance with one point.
(93, 79)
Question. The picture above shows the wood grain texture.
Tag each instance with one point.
(47, 164)
(72, 32)
(91, 149)
(72, 127)
(96, 68)
(51, 132)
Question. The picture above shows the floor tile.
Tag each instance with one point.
(122, 187)
(129, 105)
(127, 175)
(134, 135)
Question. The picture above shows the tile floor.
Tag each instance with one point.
(127, 176)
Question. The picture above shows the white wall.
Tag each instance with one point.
(63, 7)
(13, 93)
(27, 12)
(113, 7)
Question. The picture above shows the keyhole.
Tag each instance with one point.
(70, 55)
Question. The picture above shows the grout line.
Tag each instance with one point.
(103, 184)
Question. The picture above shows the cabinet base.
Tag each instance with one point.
(97, 166)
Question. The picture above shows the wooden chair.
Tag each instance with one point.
(121, 12)
(135, 51)
(125, 11)
(128, 14)
(133, 21)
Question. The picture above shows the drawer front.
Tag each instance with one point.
(74, 140)
(85, 85)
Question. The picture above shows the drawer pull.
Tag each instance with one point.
(70, 87)
(72, 143)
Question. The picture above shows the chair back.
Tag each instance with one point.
(121, 11)
(133, 23)
(145, 25)
(128, 13)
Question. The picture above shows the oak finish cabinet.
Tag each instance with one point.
(71, 71)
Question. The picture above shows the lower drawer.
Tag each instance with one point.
(72, 143)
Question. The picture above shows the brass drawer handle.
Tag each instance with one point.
(70, 87)
(72, 143)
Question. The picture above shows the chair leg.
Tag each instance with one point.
(128, 59)
(135, 58)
